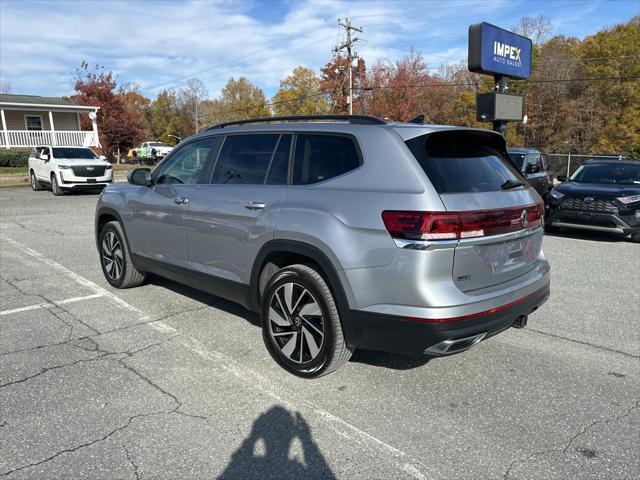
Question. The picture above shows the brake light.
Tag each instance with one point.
(459, 225)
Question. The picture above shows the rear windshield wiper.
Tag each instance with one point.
(509, 184)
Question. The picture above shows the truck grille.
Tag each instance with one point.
(87, 171)
(598, 205)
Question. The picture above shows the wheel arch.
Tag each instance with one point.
(105, 215)
(292, 251)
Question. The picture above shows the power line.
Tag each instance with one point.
(348, 45)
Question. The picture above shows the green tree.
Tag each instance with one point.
(300, 94)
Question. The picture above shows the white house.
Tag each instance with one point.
(29, 121)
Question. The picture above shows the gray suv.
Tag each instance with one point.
(342, 232)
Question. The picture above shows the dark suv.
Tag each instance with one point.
(533, 166)
(602, 195)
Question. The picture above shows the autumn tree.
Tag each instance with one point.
(399, 90)
(241, 99)
(119, 126)
(190, 99)
(164, 118)
(334, 80)
(300, 94)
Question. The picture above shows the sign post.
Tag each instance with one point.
(502, 54)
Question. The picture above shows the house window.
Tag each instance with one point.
(33, 122)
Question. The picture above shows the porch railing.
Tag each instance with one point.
(34, 138)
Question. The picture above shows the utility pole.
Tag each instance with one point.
(348, 46)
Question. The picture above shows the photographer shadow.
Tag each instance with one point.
(265, 454)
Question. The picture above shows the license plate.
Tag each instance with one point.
(91, 180)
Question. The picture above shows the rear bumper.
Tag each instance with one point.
(594, 221)
(394, 334)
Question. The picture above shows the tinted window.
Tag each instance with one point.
(608, 173)
(321, 157)
(533, 163)
(279, 168)
(84, 153)
(462, 162)
(187, 164)
(518, 159)
(244, 159)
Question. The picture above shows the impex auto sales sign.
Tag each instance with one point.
(495, 51)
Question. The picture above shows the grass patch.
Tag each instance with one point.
(14, 170)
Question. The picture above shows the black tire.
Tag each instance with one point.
(36, 186)
(117, 267)
(551, 229)
(55, 188)
(310, 292)
(635, 237)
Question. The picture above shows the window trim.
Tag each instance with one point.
(330, 134)
(26, 123)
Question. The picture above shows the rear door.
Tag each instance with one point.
(499, 216)
(535, 172)
(233, 215)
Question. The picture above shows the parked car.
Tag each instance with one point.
(342, 234)
(533, 166)
(601, 195)
(65, 169)
(151, 152)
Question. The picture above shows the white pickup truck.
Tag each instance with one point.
(68, 168)
(150, 152)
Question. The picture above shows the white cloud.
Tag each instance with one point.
(158, 44)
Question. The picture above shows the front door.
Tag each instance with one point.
(41, 166)
(157, 228)
(235, 214)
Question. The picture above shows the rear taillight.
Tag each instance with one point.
(459, 225)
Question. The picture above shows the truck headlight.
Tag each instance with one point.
(109, 166)
(556, 194)
(64, 167)
(629, 199)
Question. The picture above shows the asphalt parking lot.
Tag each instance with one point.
(166, 382)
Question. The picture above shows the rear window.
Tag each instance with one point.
(464, 162)
(321, 157)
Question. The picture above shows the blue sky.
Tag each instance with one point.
(160, 44)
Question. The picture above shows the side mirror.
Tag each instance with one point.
(44, 156)
(140, 176)
(103, 158)
(562, 178)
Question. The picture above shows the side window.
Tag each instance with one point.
(279, 168)
(244, 159)
(532, 163)
(187, 164)
(321, 157)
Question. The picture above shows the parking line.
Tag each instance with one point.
(51, 304)
(97, 289)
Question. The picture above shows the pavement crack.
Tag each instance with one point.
(588, 344)
(84, 445)
(132, 463)
(567, 445)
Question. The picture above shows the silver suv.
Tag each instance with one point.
(344, 232)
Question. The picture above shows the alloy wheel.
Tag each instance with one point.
(112, 256)
(296, 323)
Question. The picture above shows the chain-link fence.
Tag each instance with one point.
(567, 163)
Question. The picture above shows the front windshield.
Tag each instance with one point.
(518, 159)
(84, 153)
(157, 144)
(624, 173)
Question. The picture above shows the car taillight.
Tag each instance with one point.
(459, 225)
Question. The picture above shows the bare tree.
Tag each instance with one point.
(5, 86)
(538, 29)
(190, 98)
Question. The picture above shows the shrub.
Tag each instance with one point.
(9, 158)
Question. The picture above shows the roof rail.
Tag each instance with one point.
(356, 119)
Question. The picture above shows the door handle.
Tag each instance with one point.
(255, 205)
(181, 200)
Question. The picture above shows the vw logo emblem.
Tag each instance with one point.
(524, 219)
(588, 199)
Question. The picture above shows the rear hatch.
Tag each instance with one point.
(497, 217)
